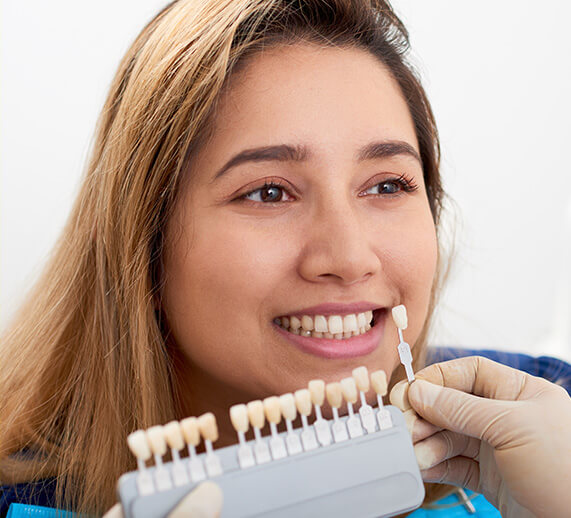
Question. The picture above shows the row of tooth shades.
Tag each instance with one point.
(157, 440)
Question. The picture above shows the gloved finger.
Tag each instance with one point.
(204, 502)
(418, 428)
(443, 446)
(399, 396)
(460, 412)
(458, 471)
(482, 377)
(115, 512)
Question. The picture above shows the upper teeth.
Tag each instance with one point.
(333, 324)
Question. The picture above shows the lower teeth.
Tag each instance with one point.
(339, 336)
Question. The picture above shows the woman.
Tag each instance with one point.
(255, 160)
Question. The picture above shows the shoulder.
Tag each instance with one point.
(552, 369)
(40, 493)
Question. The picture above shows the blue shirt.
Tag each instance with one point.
(36, 499)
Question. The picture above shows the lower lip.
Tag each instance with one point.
(334, 349)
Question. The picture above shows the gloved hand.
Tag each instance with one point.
(492, 429)
(204, 502)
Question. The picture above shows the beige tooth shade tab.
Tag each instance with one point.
(272, 409)
(138, 444)
(361, 375)
(399, 317)
(156, 438)
(207, 427)
(379, 382)
(287, 405)
(349, 389)
(173, 435)
(317, 391)
(239, 418)
(303, 401)
(256, 413)
(334, 394)
(190, 430)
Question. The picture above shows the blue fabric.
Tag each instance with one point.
(453, 508)
(36, 511)
(557, 371)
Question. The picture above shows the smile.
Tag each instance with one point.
(338, 327)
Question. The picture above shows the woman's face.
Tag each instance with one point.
(308, 200)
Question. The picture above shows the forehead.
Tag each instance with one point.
(327, 98)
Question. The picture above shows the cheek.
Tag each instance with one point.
(218, 292)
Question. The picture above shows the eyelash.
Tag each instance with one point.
(405, 184)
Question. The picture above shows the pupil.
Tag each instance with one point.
(389, 188)
(271, 193)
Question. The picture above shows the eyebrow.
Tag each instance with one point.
(300, 153)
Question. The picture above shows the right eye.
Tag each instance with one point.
(268, 193)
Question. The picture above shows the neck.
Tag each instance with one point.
(198, 392)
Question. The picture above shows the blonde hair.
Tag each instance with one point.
(85, 361)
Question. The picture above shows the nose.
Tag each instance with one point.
(339, 246)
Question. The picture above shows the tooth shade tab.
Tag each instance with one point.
(256, 413)
(239, 418)
(207, 427)
(400, 317)
(334, 394)
(379, 382)
(272, 409)
(317, 391)
(335, 324)
(173, 435)
(139, 446)
(349, 389)
(157, 442)
(303, 401)
(190, 431)
(287, 405)
(320, 323)
(361, 376)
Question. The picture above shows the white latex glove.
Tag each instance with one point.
(492, 429)
(204, 502)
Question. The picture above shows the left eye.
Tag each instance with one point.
(386, 187)
(268, 193)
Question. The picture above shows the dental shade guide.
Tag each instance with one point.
(401, 321)
(356, 465)
(372, 474)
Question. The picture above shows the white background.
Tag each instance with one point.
(499, 78)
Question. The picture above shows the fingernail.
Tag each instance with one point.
(425, 392)
(425, 456)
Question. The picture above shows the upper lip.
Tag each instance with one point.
(335, 308)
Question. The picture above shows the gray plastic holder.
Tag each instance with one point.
(373, 475)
